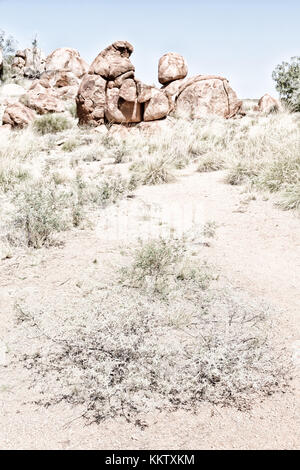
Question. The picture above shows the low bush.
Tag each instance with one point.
(124, 352)
(51, 124)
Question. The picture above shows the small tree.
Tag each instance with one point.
(8, 47)
(7, 44)
(34, 45)
(287, 78)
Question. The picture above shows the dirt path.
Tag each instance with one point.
(257, 249)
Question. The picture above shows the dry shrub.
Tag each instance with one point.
(125, 351)
(51, 124)
(155, 170)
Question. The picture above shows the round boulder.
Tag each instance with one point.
(67, 60)
(207, 95)
(267, 104)
(171, 67)
(18, 115)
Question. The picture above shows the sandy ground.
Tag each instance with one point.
(257, 248)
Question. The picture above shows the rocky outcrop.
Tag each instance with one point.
(267, 104)
(206, 95)
(63, 84)
(171, 67)
(66, 59)
(30, 62)
(59, 82)
(18, 115)
(111, 93)
(43, 100)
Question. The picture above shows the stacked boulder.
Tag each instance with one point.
(171, 67)
(109, 92)
(198, 96)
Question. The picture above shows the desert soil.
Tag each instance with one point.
(257, 249)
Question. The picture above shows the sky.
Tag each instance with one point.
(240, 40)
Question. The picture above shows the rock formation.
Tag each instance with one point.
(206, 94)
(171, 67)
(111, 93)
(66, 59)
(43, 99)
(60, 81)
(18, 115)
(267, 104)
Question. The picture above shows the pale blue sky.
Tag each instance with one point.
(241, 40)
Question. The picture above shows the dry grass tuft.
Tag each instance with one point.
(153, 171)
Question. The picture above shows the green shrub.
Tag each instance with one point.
(51, 124)
(159, 264)
(72, 109)
(10, 177)
(70, 145)
(40, 213)
(287, 78)
(7, 46)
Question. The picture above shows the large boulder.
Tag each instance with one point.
(207, 95)
(171, 67)
(59, 79)
(91, 100)
(64, 84)
(267, 104)
(43, 100)
(157, 107)
(47, 95)
(18, 115)
(118, 110)
(67, 60)
(128, 91)
(113, 61)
